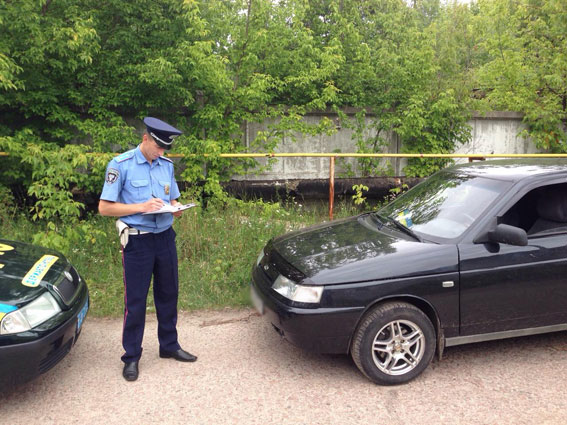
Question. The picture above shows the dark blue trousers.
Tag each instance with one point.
(146, 255)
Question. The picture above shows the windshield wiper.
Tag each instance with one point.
(379, 219)
(404, 229)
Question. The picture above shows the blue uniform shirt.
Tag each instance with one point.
(131, 179)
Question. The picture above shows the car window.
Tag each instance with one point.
(542, 211)
(446, 204)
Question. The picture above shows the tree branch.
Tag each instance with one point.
(45, 7)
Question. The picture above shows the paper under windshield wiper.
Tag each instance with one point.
(403, 228)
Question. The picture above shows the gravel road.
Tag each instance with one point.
(247, 374)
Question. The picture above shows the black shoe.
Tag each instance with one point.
(181, 355)
(130, 372)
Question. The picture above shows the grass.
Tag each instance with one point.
(217, 247)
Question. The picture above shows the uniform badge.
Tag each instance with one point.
(166, 189)
(112, 175)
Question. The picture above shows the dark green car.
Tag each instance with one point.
(43, 303)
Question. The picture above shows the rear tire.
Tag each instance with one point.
(394, 343)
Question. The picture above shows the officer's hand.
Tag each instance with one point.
(152, 204)
(178, 213)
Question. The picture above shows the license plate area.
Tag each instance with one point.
(81, 316)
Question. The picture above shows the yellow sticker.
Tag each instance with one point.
(4, 247)
(38, 270)
(402, 219)
(2, 315)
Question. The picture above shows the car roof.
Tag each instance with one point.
(512, 169)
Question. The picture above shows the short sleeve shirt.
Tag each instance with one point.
(131, 179)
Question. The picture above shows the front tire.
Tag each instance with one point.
(394, 343)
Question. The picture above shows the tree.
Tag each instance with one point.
(75, 76)
(526, 68)
(392, 69)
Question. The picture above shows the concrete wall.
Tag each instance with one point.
(495, 132)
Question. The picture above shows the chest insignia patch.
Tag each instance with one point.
(166, 188)
(112, 175)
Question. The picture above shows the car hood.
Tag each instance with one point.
(358, 249)
(18, 260)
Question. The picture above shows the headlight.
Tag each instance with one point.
(295, 292)
(260, 256)
(33, 314)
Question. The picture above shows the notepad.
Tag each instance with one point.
(168, 208)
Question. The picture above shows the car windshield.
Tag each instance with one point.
(444, 205)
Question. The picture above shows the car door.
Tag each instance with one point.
(505, 287)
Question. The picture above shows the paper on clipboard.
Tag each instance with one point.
(168, 208)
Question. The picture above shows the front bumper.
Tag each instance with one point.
(20, 363)
(323, 330)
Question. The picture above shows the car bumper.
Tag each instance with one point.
(323, 330)
(20, 363)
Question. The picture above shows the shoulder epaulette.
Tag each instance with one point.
(125, 156)
(167, 159)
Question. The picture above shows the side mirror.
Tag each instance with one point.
(510, 235)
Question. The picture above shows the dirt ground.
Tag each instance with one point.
(247, 374)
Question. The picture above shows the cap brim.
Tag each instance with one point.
(159, 141)
(163, 145)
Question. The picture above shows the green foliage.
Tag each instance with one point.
(7, 205)
(47, 47)
(357, 198)
(217, 247)
(396, 191)
(64, 236)
(8, 72)
(76, 77)
(525, 43)
(395, 70)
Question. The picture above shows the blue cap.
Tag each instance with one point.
(161, 132)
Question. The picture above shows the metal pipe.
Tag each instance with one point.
(331, 186)
(356, 155)
(381, 155)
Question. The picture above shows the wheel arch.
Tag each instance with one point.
(425, 306)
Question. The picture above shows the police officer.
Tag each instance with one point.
(141, 181)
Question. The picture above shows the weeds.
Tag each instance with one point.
(217, 247)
